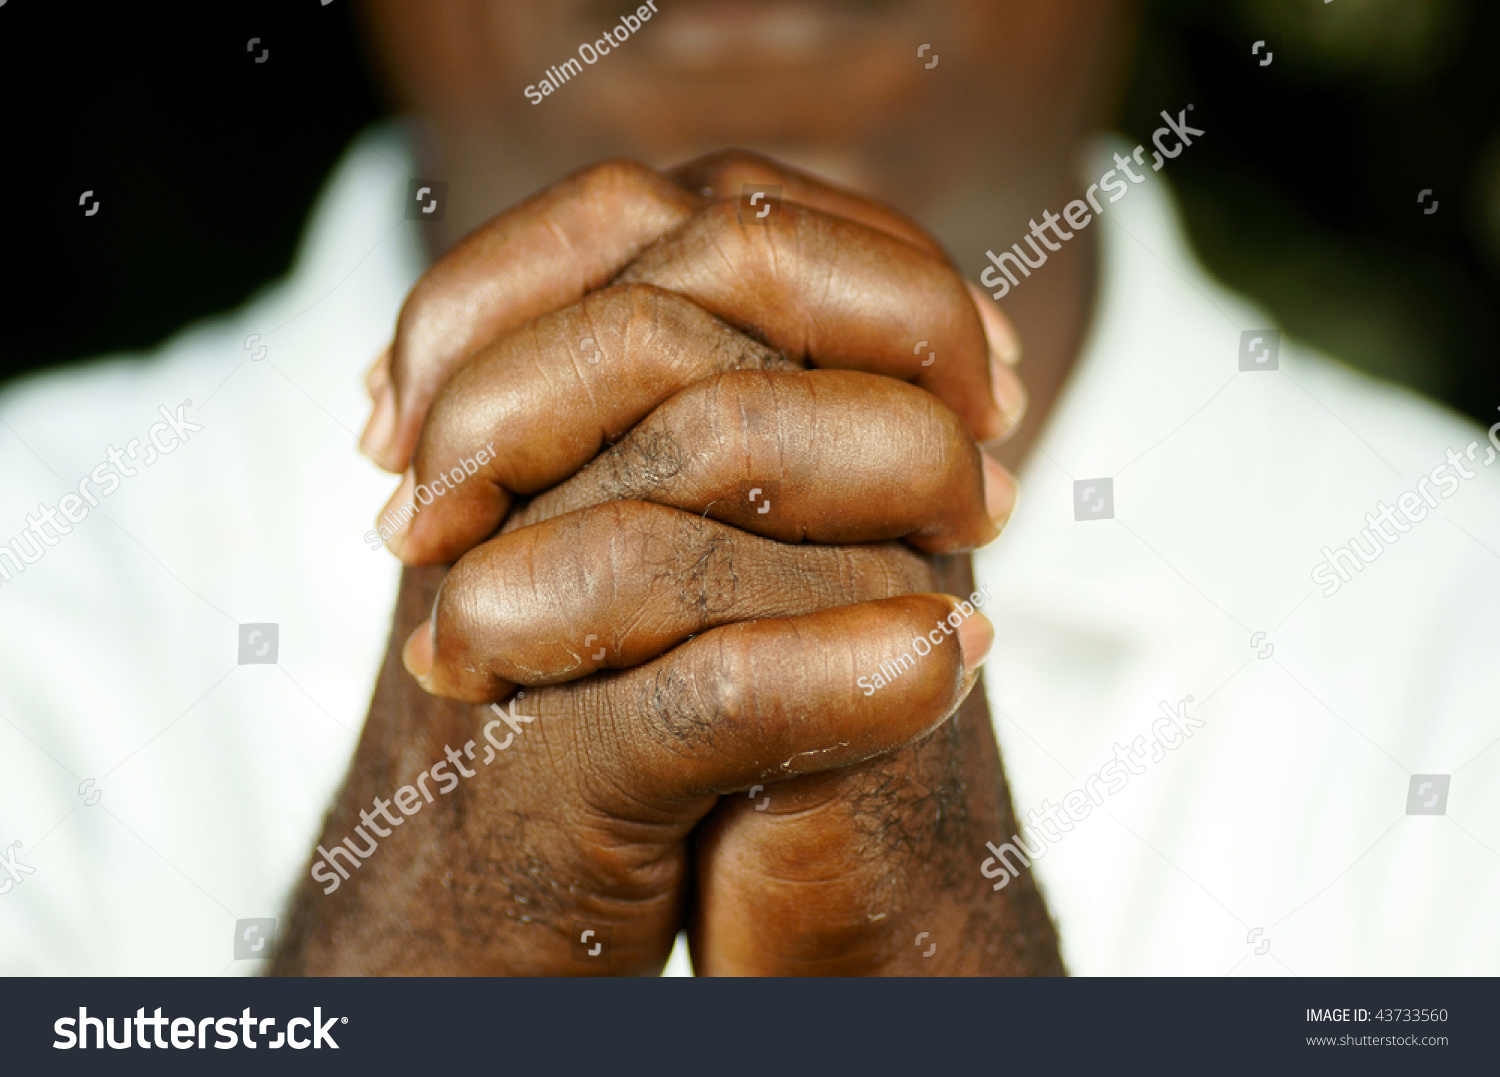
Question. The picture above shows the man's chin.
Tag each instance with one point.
(760, 100)
(716, 35)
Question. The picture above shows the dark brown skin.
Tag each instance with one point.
(973, 148)
(847, 866)
(633, 762)
(583, 821)
(812, 286)
(843, 871)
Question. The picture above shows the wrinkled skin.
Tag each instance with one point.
(688, 646)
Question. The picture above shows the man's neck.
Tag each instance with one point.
(1051, 309)
(1053, 322)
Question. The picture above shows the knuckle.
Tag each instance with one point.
(622, 188)
(705, 701)
(727, 675)
(734, 162)
(644, 323)
(645, 462)
(679, 709)
(946, 429)
(453, 612)
(653, 321)
(498, 590)
(442, 430)
(636, 299)
(933, 433)
(619, 176)
(661, 311)
(412, 327)
(730, 425)
(674, 329)
(870, 573)
(704, 567)
(717, 226)
(740, 406)
(636, 539)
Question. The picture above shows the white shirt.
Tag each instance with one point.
(1282, 819)
(161, 791)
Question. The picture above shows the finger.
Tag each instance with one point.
(379, 374)
(769, 699)
(728, 174)
(536, 406)
(837, 873)
(1005, 344)
(725, 174)
(517, 267)
(760, 701)
(831, 456)
(617, 585)
(534, 258)
(840, 294)
(1005, 352)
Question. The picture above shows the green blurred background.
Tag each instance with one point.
(1305, 194)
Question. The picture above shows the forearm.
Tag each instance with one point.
(506, 846)
(1008, 932)
(875, 869)
(398, 911)
(1000, 933)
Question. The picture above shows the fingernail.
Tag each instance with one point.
(1000, 490)
(1004, 343)
(392, 512)
(1010, 394)
(417, 654)
(375, 442)
(975, 637)
(379, 373)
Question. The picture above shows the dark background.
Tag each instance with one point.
(1303, 194)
